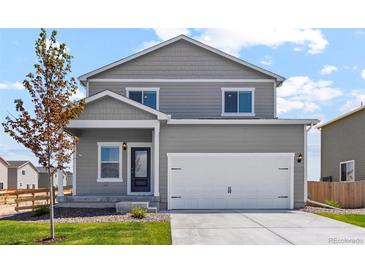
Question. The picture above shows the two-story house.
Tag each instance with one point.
(343, 147)
(183, 125)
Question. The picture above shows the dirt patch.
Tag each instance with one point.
(312, 209)
(50, 240)
(86, 215)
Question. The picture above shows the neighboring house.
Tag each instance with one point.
(343, 147)
(22, 175)
(186, 126)
(3, 174)
(43, 180)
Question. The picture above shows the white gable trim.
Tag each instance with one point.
(193, 41)
(242, 121)
(341, 117)
(171, 80)
(160, 115)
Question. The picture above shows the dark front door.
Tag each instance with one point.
(141, 169)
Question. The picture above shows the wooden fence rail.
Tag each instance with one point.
(349, 194)
(25, 199)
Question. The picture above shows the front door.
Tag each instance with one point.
(141, 169)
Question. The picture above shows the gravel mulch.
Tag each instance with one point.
(312, 209)
(86, 215)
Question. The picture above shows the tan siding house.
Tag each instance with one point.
(343, 147)
(22, 175)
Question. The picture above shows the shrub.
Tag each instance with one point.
(332, 203)
(138, 212)
(41, 210)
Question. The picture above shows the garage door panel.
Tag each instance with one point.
(234, 181)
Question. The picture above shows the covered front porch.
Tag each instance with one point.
(115, 161)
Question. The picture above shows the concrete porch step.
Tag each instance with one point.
(125, 206)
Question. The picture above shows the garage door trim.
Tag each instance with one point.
(172, 155)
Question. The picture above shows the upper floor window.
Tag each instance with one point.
(238, 101)
(145, 96)
(23, 172)
(347, 171)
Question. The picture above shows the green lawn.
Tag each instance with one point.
(354, 219)
(127, 233)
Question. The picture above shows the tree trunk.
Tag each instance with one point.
(51, 205)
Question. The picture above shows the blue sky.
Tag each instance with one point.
(325, 68)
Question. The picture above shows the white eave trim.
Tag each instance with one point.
(176, 80)
(160, 115)
(113, 124)
(193, 41)
(242, 121)
(341, 117)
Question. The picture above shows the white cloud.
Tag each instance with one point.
(11, 85)
(267, 61)
(328, 69)
(363, 74)
(234, 40)
(305, 94)
(78, 95)
(164, 34)
(356, 98)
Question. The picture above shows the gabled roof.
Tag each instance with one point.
(20, 164)
(160, 115)
(4, 161)
(278, 78)
(341, 117)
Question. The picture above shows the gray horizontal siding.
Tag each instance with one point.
(108, 108)
(342, 141)
(181, 60)
(86, 162)
(196, 100)
(232, 138)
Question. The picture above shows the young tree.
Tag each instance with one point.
(42, 130)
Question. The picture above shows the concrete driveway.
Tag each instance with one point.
(260, 227)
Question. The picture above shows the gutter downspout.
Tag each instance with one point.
(306, 130)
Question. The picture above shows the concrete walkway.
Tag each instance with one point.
(260, 227)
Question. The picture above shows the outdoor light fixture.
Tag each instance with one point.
(300, 157)
(124, 145)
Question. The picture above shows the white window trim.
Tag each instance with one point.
(157, 90)
(110, 144)
(129, 165)
(345, 162)
(238, 89)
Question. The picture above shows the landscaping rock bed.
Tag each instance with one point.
(313, 209)
(87, 215)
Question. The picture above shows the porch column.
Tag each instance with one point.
(60, 184)
(156, 159)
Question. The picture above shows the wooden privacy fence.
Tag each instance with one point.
(349, 194)
(25, 199)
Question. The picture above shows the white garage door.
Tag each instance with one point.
(230, 180)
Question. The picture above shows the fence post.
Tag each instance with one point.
(33, 196)
(17, 201)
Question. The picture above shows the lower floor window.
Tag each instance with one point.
(347, 171)
(109, 155)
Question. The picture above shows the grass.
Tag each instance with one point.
(354, 219)
(123, 233)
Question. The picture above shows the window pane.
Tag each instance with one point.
(343, 172)
(230, 101)
(141, 163)
(245, 101)
(149, 99)
(136, 96)
(350, 171)
(109, 170)
(109, 153)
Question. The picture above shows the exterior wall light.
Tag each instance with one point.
(300, 158)
(124, 145)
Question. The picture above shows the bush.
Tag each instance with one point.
(41, 210)
(332, 203)
(138, 212)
